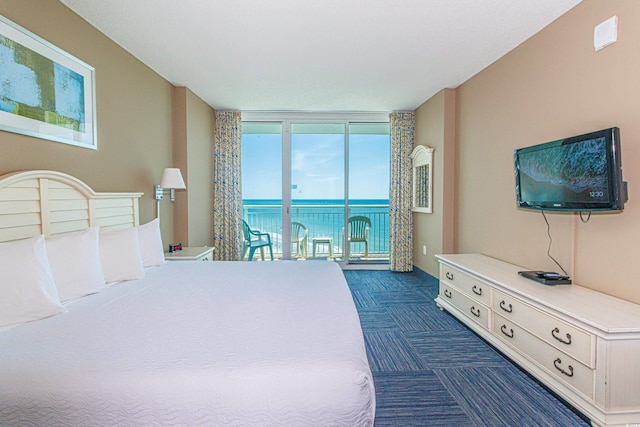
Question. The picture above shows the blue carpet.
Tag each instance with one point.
(431, 370)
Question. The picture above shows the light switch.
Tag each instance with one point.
(605, 33)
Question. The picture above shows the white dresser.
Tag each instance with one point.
(583, 344)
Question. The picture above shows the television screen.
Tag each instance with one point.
(582, 173)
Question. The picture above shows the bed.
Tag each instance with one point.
(180, 343)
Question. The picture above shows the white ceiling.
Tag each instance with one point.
(318, 55)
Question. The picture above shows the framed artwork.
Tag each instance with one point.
(422, 157)
(44, 91)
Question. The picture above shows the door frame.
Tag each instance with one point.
(289, 118)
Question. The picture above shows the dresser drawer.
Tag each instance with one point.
(565, 368)
(567, 338)
(470, 308)
(475, 288)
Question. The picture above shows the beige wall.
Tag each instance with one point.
(134, 111)
(552, 86)
(435, 127)
(193, 152)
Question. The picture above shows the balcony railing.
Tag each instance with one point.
(324, 221)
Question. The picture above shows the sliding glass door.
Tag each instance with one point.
(318, 188)
(295, 178)
(368, 202)
(262, 183)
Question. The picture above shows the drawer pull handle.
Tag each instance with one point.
(503, 305)
(476, 290)
(447, 293)
(475, 311)
(503, 328)
(568, 373)
(563, 341)
(449, 275)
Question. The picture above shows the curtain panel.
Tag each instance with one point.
(400, 216)
(227, 186)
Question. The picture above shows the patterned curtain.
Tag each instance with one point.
(400, 215)
(227, 186)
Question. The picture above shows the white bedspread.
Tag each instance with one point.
(196, 343)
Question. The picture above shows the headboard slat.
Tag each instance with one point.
(111, 203)
(50, 203)
(70, 215)
(68, 226)
(19, 206)
(111, 212)
(19, 193)
(20, 220)
(65, 194)
(67, 205)
(113, 220)
(17, 233)
(27, 183)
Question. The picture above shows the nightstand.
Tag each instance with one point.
(191, 253)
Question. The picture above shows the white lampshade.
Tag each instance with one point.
(172, 178)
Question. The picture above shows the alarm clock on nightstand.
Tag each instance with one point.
(175, 247)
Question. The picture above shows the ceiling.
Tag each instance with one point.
(318, 55)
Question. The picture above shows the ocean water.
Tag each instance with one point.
(322, 218)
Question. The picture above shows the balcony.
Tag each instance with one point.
(324, 222)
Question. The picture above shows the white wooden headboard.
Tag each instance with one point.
(48, 202)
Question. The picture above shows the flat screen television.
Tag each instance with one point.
(578, 174)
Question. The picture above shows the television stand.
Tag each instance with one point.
(582, 344)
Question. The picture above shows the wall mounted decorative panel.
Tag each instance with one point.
(422, 179)
(44, 91)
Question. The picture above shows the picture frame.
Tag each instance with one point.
(422, 200)
(44, 91)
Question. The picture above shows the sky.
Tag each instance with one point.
(317, 166)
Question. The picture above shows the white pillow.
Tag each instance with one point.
(75, 263)
(27, 289)
(120, 255)
(151, 249)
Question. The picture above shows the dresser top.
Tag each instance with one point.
(603, 312)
